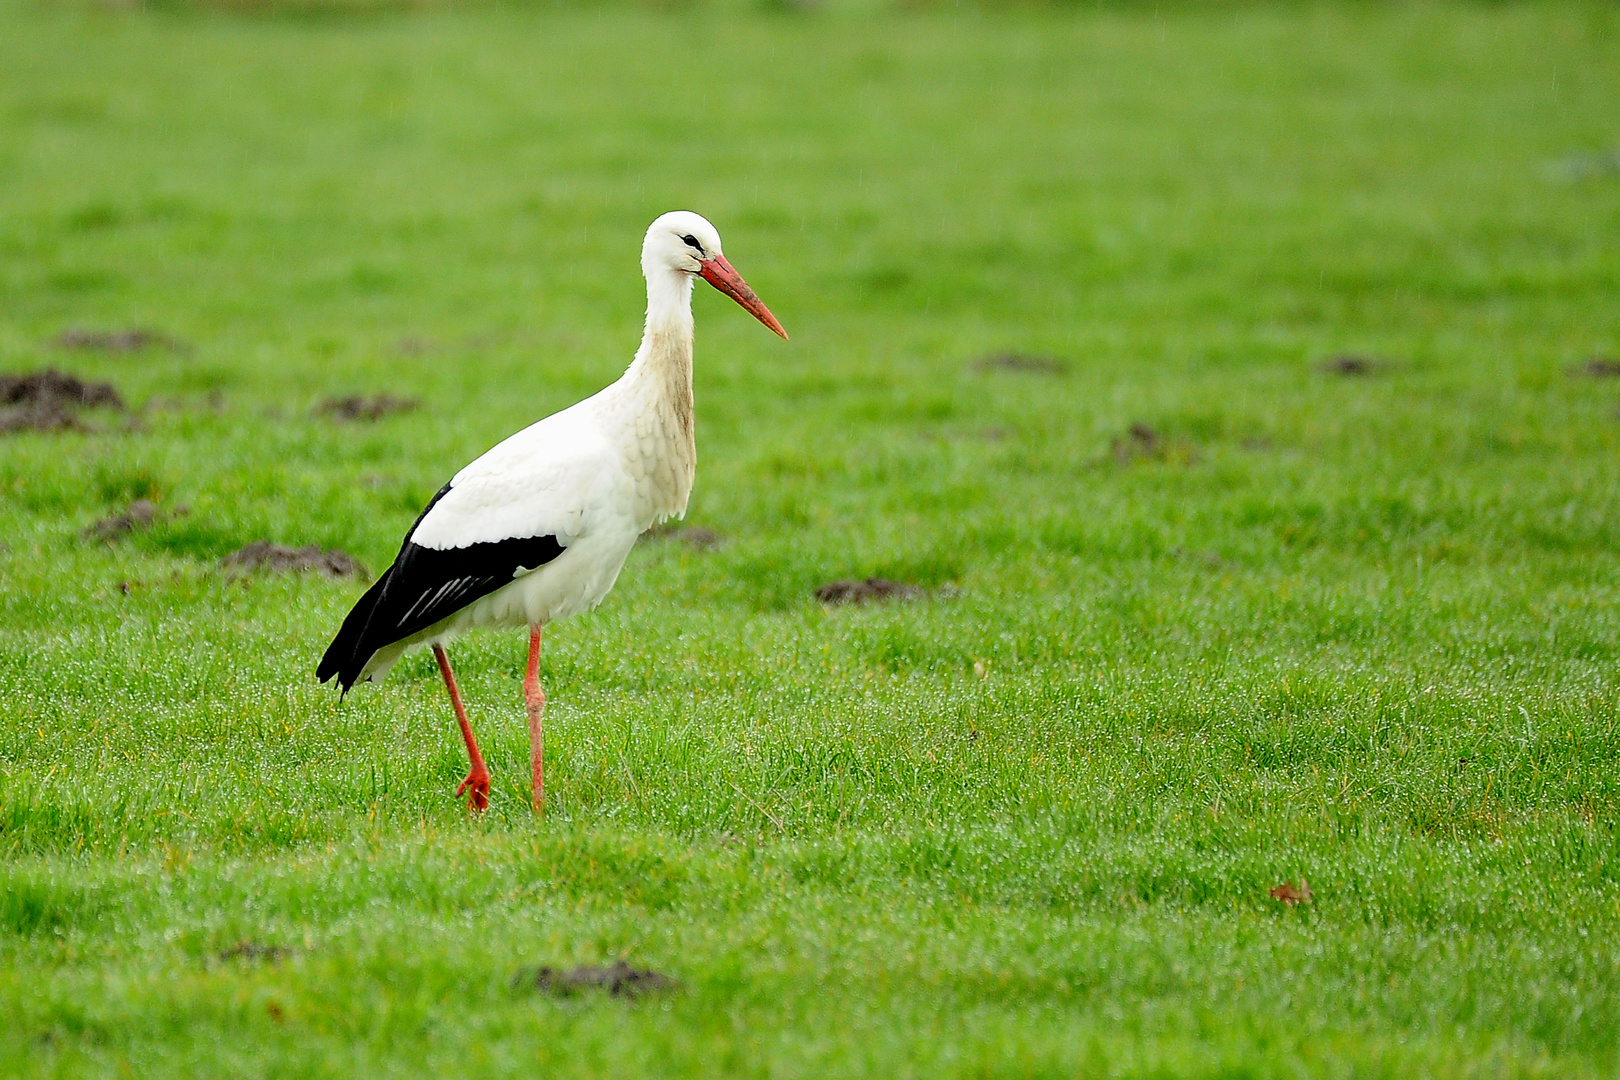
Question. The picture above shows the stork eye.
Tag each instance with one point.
(691, 241)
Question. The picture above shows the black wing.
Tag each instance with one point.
(423, 586)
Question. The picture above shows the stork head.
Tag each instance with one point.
(685, 243)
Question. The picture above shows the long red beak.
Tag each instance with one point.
(718, 272)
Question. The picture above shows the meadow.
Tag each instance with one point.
(1285, 547)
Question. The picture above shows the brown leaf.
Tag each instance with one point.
(1291, 894)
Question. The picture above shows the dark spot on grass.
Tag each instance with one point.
(358, 407)
(140, 515)
(263, 555)
(1142, 443)
(1598, 367)
(1587, 165)
(50, 401)
(129, 340)
(96, 215)
(619, 979)
(1035, 365)
(254, 951)
(1351, 365)
(693, 536)
(1210, 559)
(1139, 441)
(411, 345)
(888, 279)
(861, 592)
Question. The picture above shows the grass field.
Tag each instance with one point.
(1360, 629)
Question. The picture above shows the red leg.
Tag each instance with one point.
(535, 700)
(476, 785)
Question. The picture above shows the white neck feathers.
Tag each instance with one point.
(656, 415)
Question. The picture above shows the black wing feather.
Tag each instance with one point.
(423, 586)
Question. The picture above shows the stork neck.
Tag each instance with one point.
(669, 303)
(665, 357)
(655, 397)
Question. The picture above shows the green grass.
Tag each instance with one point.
(1361, 630)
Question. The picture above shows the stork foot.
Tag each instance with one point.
(476, 788)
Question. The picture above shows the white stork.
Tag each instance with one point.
(538, 528)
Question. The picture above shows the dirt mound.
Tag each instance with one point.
(693, 536)
(1036, 365)
(618, 978)
(358, 407)
(50, 401)
(52, 387)
(1351, 365)
(130, 340)
(140, 514)
(861, 592)
(263, 555)
(253, 950)
(1598, 367)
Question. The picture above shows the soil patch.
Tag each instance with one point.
(52, 387)
(861, 592)
(1598, 367)
(1037, 365)
(130, 340)
(693, 536)
(50, 400)
(618, 978)
(1142, 443)
(253, 950)
(141, 514)
(263, 555)
(1350, 365)
(40, 417)
(359, 407)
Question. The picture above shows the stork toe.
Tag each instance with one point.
(476, 788)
